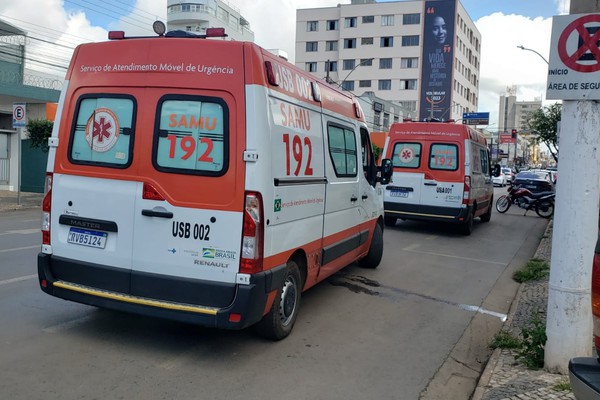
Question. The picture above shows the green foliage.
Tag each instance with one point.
(545, 122)
(377, 151)
(534, 270)
(562, 386)
(505, 340)
(533, 344)
(39, 132)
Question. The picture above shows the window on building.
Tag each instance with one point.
(411, 19)
(408, 84)
(411, 40)
(387, 20)
(332, 66)
(409, 62)
(348, 64)
(366, 62)
(310, 67)
(365, 83)
(385, 84)
(332, 25)
(366, 41)
(331, 45)
(387, 41)
(409, 105)
(349, 43)
(348, 85)
(368, 19)
(350, 22)
(385, 63)
(312, 26)
(312, 46)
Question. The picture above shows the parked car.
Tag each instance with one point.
(510, 177)
(500, 179)
(584, 372)
(535, 181)
(552, 174)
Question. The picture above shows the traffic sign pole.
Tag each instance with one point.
(569, 318)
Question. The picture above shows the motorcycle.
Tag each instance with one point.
(542, 203)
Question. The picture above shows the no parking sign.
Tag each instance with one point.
(19, 115)
(574, 69)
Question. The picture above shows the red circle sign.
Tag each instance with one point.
(19, 113)
(588, 41)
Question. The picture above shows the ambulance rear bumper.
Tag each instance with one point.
(244, 306)
(426, 213)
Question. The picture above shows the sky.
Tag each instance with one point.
(503, 24)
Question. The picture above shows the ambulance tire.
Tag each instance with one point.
(488, 214)
(467, 227)
(373, 257)
(279, 321)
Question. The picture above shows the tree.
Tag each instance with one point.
(39, 132)
(545, 122)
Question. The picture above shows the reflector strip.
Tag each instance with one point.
(135, 300)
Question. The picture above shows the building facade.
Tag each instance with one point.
(31, 91)
(424, 55)
(196, 16)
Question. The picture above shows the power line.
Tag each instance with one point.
(110, 15)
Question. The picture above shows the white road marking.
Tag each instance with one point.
(483, 311)
(451, 256)
(19, 279)
(37, 246)
(68, 324)
(22, 232)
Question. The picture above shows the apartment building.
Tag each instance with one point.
(197, 16)
(424, 55)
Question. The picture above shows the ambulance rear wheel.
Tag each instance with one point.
(467, 227)
(373, 257)
(279, 321)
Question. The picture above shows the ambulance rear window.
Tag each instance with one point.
(103, 130)
(192, 135)
(444, 157)
(406, 155)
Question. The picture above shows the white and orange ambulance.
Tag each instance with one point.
(442, 172)
(205, 181)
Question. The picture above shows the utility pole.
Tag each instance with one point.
(569, 320)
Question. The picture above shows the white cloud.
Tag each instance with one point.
(503, 64)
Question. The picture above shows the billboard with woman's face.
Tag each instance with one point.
(437, 59)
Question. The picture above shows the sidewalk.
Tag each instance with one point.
(504, 378)
(10, 201)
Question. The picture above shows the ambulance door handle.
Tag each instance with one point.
(430, 184)
(353, 199)
(157, 213)
(365, 196)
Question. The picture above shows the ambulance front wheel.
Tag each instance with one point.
(279, 321)
(373, 257)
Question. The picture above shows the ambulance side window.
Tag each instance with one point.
(406, 155)
(485, 162)
(342, 150)
(103, 130)
(191, 135)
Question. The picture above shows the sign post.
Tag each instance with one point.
(573, 77)
(19, 122)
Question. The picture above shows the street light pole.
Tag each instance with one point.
(525, 48)
(357, 65)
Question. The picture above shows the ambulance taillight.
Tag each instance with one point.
(467, 190)
(46, 207)
(252, 236)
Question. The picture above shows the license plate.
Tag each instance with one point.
(85, 237)
(397, 193)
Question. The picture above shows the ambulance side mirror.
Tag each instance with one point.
(386, 171)
(496, 171)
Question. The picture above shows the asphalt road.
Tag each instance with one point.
(363, 334)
